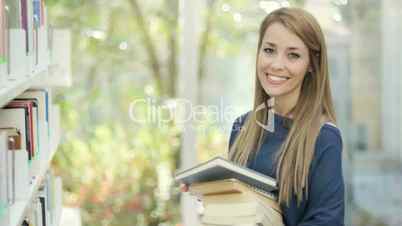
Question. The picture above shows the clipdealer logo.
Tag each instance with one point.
(181, 111)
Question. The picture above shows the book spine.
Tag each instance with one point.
(24, 22)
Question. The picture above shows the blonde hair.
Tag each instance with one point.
(314, 104)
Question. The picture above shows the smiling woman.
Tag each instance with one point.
(283, 61)
(302, 148)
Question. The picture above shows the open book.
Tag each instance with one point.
(219, 168)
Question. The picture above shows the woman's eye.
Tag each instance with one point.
(269, 50)
(294, 56)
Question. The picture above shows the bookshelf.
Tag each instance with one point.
(10, 90)
(28, 191)
(19, 208)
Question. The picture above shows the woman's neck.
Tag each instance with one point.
(282, 112)
(284, 106)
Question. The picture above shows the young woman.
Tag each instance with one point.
(290, 134)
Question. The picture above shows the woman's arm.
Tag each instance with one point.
(326, 201)
(237, 124)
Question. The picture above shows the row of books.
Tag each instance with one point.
(45, 209)
(25, 40)
(28, 126)
(232, 195)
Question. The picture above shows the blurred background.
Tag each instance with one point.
(128, 58)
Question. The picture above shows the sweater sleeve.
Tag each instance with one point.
(238, 123)
(325, 205)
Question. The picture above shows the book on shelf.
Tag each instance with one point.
(27, 23)
(14, 170)
(3, 170)
(41, 96)
(21, 112)
(17, 118)
(219, 168)
(4, 216)
(20, 174)
(36, 24)
(16, 164)
(18, 60)
(53, 197)
(14, 15)
(3, 28)
(47, 206)
(17, 38)
(4, 189)
(3, 43)
(36, 131)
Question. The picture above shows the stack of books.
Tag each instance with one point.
(232, 195)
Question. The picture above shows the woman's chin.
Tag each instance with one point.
(273, 92)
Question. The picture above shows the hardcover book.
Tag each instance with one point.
(219, 168)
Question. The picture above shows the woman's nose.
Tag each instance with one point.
(277, 63)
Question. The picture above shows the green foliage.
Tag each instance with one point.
(117, 175)
(299, 3)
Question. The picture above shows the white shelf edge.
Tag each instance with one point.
(13, 88)
(19, 208)
(56, 78)
(58, 220)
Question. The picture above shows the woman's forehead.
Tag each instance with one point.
(279, 36)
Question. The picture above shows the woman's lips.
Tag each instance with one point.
(276, 80)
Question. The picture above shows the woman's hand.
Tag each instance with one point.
(184, 187)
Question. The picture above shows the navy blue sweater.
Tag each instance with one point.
(324, 205)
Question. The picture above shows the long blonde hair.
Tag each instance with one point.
(314, 105)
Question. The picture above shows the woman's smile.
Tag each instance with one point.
(276, 80)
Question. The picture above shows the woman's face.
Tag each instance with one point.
(283, 61)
